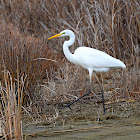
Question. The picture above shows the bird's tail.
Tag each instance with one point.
(121, 64)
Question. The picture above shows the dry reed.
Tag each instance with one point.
(11, 104)
(111, 26)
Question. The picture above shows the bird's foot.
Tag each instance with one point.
(68, 105)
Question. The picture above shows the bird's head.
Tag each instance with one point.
(63, 33)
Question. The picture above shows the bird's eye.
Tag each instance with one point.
(63, 33)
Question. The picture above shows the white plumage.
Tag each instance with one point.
(89, 58)
(95, 59)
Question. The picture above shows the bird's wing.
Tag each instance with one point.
(89, 57)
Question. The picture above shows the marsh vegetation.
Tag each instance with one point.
(35, 77)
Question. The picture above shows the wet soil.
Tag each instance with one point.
(86, 121)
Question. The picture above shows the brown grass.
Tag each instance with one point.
(110, 26)
(11, 92)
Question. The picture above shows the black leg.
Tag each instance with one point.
(102, 92)
(68, 105)
(103, 99)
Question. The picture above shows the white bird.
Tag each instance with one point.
(89, 58)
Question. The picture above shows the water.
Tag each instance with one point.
(124, 125)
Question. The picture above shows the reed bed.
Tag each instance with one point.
(111, 26)
(11, 91)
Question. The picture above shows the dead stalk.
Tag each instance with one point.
(11, 106)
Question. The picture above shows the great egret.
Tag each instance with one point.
(89, 58)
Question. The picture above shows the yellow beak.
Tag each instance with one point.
(55, 36)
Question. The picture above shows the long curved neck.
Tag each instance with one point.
(66, 46)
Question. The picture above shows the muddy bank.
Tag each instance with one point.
(86, 121)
